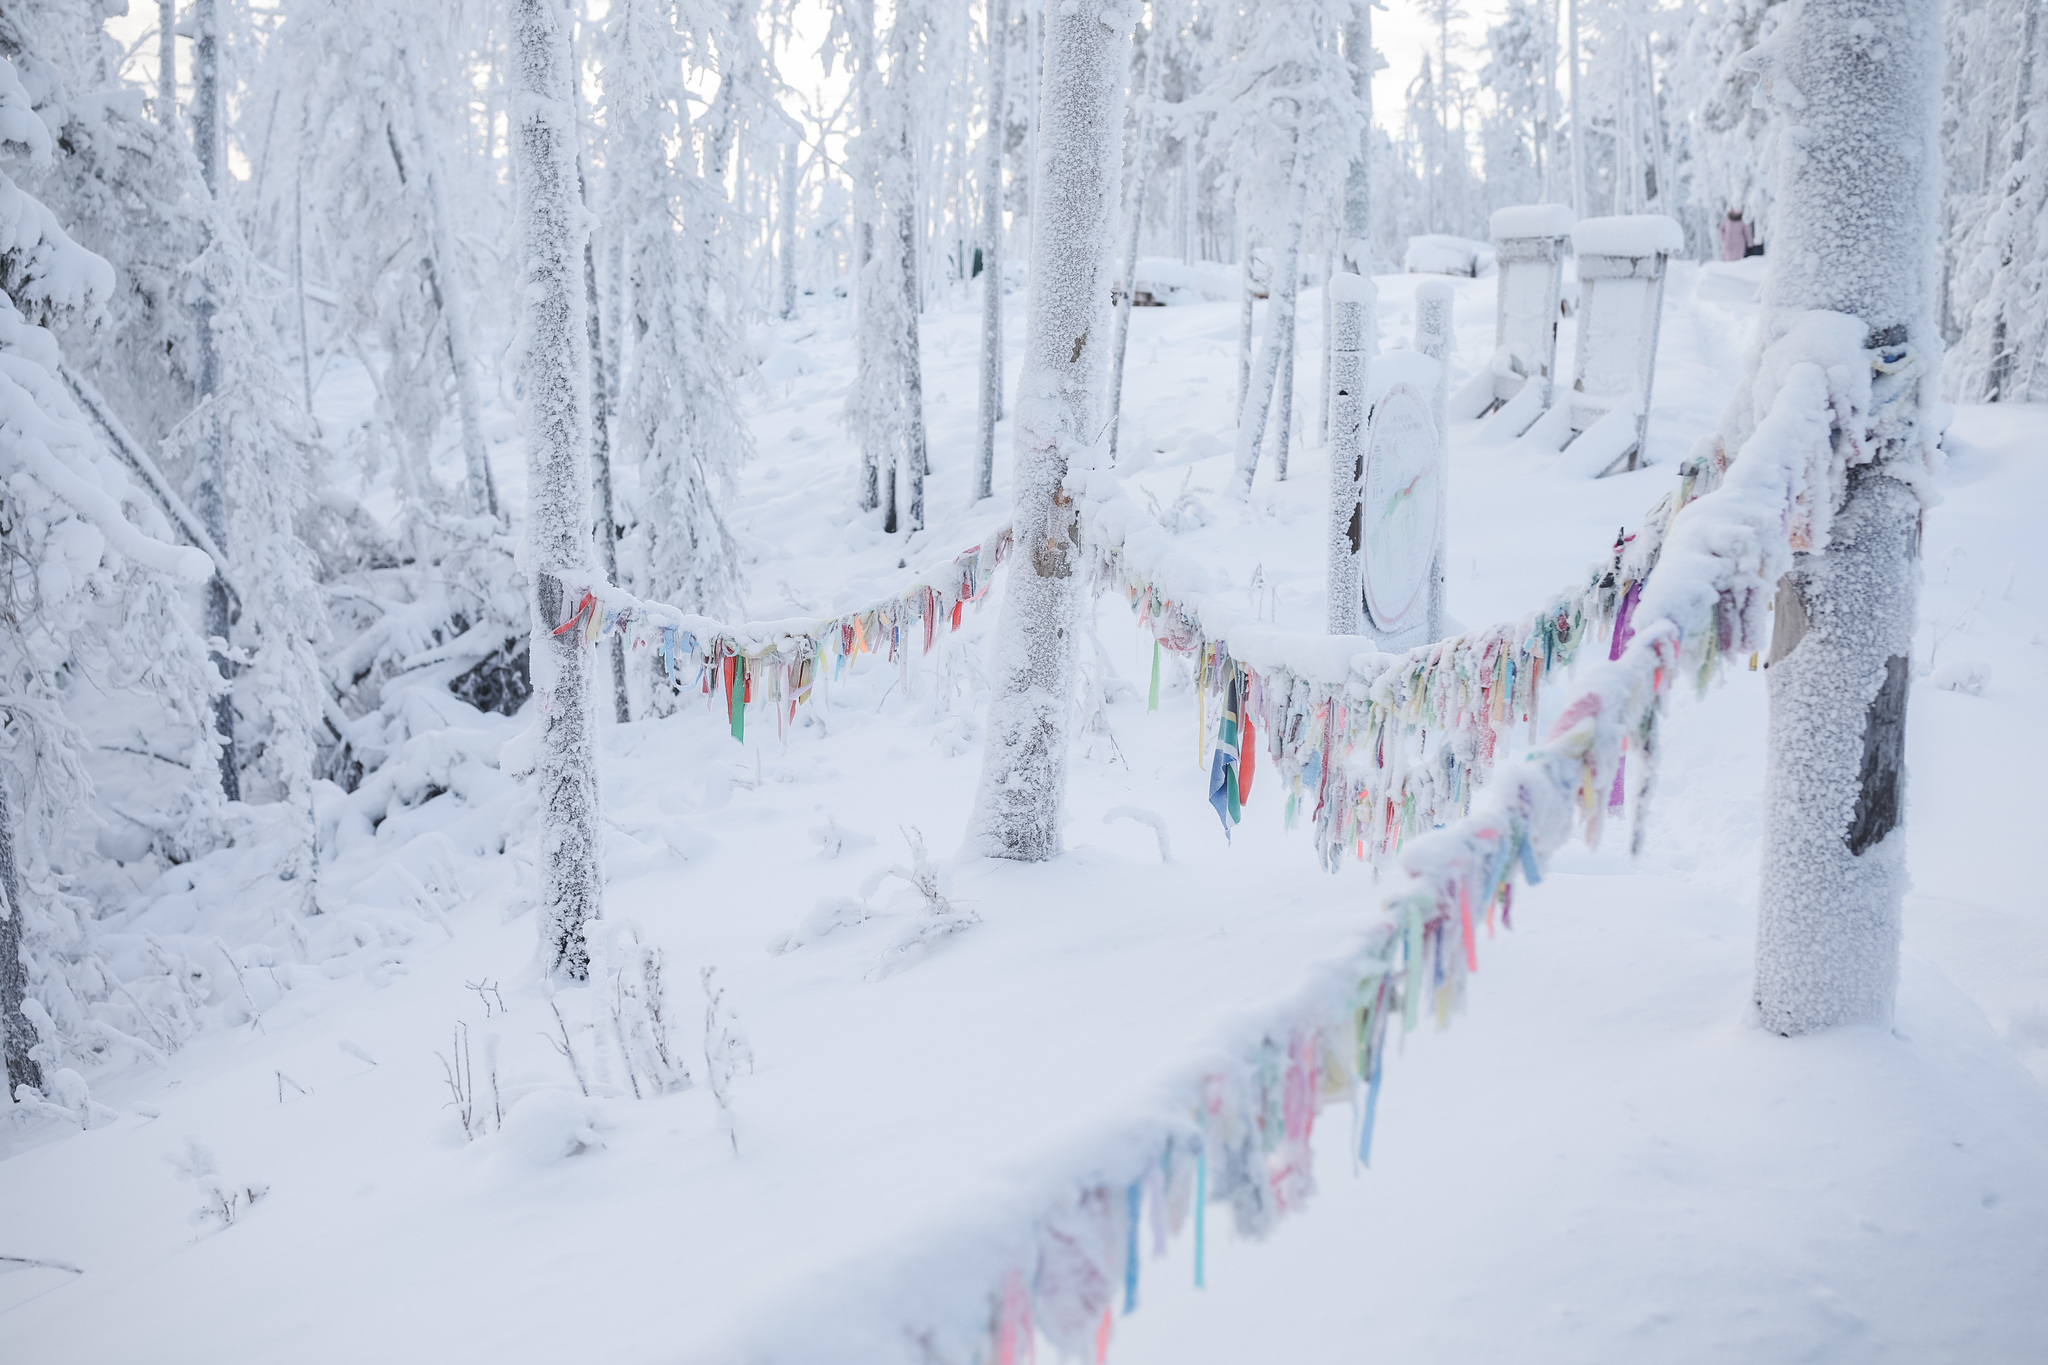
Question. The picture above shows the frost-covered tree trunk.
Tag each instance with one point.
(1058, 421)
(2002, 354)
(1251, 426)
(1246, 299)
(451, 296)
(1348, 299)
(209, 495)
(1433, 339)
(167, 62)
(991, 404)
(1140, 168)
(785, 234)
(1283, 398)
(1358, 179)
(600, 411)
(555, 368)
(17, 1035)
(1577, 114)
(916, 458)
(1854, 234)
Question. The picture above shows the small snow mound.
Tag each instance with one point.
(1529, 220)
(548, 1125)
(1635, 234)
(1964, 676)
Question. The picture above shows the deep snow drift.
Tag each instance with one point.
(1601, 1159)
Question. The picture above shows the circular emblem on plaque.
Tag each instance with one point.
(1403, 488)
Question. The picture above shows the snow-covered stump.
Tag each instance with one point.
(1058, 417)
(1528, 243)
(1348, 302)
(554, 367)
(1621, 302)
(1854, 228)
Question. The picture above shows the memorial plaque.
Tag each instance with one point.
(1403, 489)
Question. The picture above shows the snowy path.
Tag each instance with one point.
(1602, 1160)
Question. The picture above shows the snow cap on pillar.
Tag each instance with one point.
(1638, 234)
(1530, 220)
(1345, 287)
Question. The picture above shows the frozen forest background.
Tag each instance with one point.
(338, 337)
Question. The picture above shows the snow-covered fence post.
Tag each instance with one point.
(1621, 304)
(1349, 300)
(555, 366)
(1853, 233)
(1058, 422)
(17, 1035)
(991, 410)
(1528, 241)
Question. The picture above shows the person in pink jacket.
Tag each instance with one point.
(1735, 236)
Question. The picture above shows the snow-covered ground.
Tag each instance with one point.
(1601, 1159)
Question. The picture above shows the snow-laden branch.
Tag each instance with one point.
(41, 442)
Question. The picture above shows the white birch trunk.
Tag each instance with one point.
(555, 367)
(1348, 301)
(1058, 416)
(1853, 232)
(1251, 426)
(991, 409)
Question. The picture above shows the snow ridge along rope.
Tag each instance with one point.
(785, 657)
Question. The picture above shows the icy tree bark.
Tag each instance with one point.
(1358, 180)
(1244, 331)
(209, 498)
(1139, 175)
(17, 1035)
(451, 296)
(1058, 419)
(1251, 425)
(167, 62)
(600, 405)
(1433, 339)
(1853, 233)
(991, 410)
(1283, 398)
(1578, 117)
(785, 245)
(2002, 354)
(1348, 300)
(554, 367)
(915, 456)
